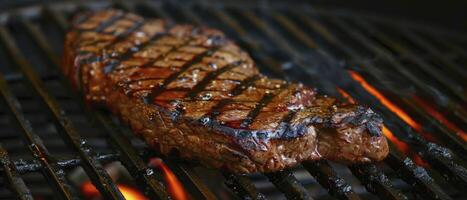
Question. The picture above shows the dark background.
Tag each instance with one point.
(450, 14)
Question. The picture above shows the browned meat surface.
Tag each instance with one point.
(190, 91)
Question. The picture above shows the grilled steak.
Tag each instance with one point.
(191, 91)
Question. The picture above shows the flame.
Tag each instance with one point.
(399, 144)
(440, 117)
(174, 187)
(90, 192)
(130, 193)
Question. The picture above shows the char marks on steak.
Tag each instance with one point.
(192, 91)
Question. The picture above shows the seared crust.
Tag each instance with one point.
(190, 90)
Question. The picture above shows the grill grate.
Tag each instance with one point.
(411, 65)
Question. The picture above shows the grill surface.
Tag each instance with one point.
(46, 131)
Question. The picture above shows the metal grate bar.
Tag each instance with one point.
(24, 167)
(290, 26)
(242, 186)
(15, 182)
(433, 51)
(440, 43)
(35, 144)
(148, 9)
(281, 43)
(66, 129)
(304, 66)
(424, 185)
(247, 42)
(404, 51)
(328, 36)
(131, 159)
(276, 37)
(286, 182)
(376, 182)
(329, 179)
(447, 164)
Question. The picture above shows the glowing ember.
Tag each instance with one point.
(174, 187)
(438, 116)
(90, 192)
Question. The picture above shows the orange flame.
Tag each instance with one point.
(386, 102)
(438, 116)
(174, 187)
(399, 144)
(90, 192)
